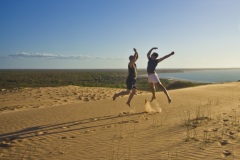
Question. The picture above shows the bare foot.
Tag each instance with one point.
(114, 97)
(128, 104)
(153, 99)
(169, 100)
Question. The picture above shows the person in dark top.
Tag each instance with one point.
(152, 75)
(131, 79)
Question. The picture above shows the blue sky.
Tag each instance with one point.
(79, 34)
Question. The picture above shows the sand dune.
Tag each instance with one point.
(85, 123)
(26, 98)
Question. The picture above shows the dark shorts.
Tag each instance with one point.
(131, 83)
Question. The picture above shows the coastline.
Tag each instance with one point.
(217, 75)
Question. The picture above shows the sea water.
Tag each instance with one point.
(204, 75)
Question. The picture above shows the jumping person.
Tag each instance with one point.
(131, 79)
(152, 75)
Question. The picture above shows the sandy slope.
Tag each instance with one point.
(52, 96)
(85, 123)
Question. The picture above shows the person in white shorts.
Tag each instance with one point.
(152, 75)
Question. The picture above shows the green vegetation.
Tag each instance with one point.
(10, 79)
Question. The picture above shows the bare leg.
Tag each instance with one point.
(122, 93)
(165, 91)
(131, 96)
(152, 86)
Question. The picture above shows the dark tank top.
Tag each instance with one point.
(132, 71)
(152, 64)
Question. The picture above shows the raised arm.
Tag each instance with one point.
(150, 51)
(161, 59)
(135, 54)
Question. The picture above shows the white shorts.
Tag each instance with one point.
(153, 78)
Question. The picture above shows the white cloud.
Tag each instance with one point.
(55, 56)
(32, 55)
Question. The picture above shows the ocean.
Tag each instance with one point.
(203, 75)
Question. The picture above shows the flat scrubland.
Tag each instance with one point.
(11, 79)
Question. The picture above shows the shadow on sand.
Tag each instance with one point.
(66, 127)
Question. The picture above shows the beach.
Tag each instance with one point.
(74, 122)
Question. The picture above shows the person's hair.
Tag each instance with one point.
(155, 54)
(130, 57)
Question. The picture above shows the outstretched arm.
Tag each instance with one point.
(150, 51)
(161, 59)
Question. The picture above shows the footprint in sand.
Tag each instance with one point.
(224, 142)
(144, 117)
(65, 127)
(226, 153)
(106, 127)
(35, 106)
(117, 138)
(215, 129)
(124, 114)
(5, 144)
(86, 99)
(71, 137)
(90, 131)
(122, 122)
(135, 121)
(38, 139)
(40, 133)
(93, 119)
(225, 120)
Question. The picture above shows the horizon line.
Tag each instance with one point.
(112, 68)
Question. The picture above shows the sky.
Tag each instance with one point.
(101, 34)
